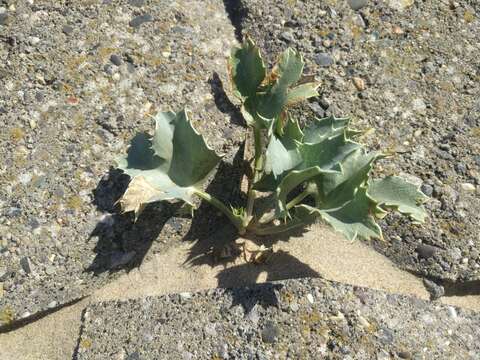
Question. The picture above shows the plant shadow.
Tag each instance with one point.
(209, 230)
(236, 13)
(122, 242)
(222, 101)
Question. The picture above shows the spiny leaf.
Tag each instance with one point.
(192, 159)
(169, 166)
(396, 193)
(138, 194)
(293, 179)
(320, 129)
(288, 68)
(301, 93)
(286, 72)
(282, 152)
(338, 188)
(247, 70)
(162, 139)
(354, 219)
(327, 153)
(140, 156)
(274, 96)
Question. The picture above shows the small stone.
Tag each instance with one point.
(140, 20)
(1, 290)
(185, 295)
(25, 178)
(4, 19)
(460, 168)
(385, 336)
(477, 159)
(24, 315)
(310, 298)
(33, 40)
(397, 30)
(428, 67)
(109, 69)
(404, 355)
(419, 105)
(327, 43)
(468, 187)
(359, 83)
(49, 270)
(136, 3)
(357, 4)
(121, 355)
(317, 109)
(324, 103)
(270, 332)
(3, 272)
(452, 312)
(427, 189)
(294, 307)
(400, 5)
(116, 60)
(210, 330)
(134, 356)
(52, 304)
(67, 29)
(287, 36)
(426, 251)
(253, 315)
(323, 59)
(436, 291)
(26, 264)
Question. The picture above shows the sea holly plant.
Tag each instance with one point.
(318, 173)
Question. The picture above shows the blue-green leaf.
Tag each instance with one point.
(247, 70)
(168, 166)
(393, 192)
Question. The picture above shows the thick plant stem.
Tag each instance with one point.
(256, 173)
(237, 221)
(295, 201)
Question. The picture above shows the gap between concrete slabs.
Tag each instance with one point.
(318, 251)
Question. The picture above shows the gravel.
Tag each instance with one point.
(65, 118)
(408, 70)
(332, 321)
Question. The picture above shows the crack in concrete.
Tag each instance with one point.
(19, 323)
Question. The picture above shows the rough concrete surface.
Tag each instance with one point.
(78, 79)
(317, 253)
(295, 319)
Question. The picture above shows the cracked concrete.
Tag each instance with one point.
(319, 251)
(38, 217)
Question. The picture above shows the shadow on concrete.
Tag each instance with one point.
(123, 243)
(264, 295)
(236, 13)
(222, 101)
(462, 288)
(210, 231)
